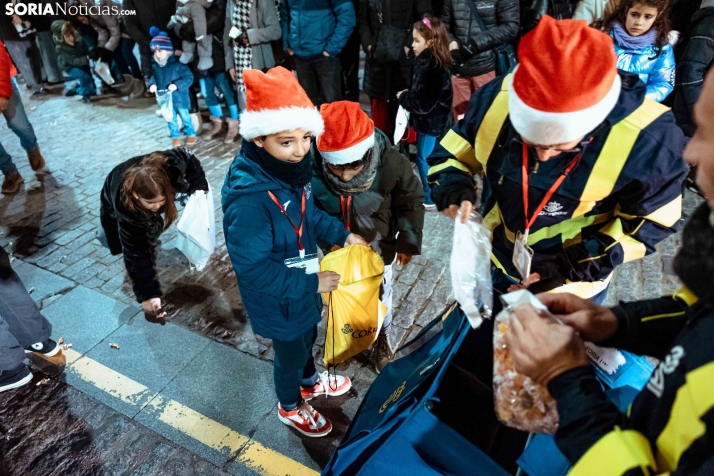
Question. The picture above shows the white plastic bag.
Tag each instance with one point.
(471, 268)
(401, 124)
(166, 104)
(197, 229)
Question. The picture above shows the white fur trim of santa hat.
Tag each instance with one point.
(350, 154)
(550, 128)
(271, 121)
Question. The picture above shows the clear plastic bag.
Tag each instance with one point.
(471, 268)
(520, 402)
(166, 104)
(196, 237)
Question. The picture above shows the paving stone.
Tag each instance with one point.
(43, 283)
(410, 273)
(85, 317)
(217, 384)
(73, 270)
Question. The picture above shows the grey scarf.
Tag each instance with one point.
(362, 181)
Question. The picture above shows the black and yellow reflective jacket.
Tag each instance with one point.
(622, 198)
(669, 428)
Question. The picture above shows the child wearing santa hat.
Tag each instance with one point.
(271, 227)
(364, 181)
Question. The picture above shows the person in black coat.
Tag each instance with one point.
(696, 60)
(383, 79)
(137, 205)
(474, 50)
(533, 10)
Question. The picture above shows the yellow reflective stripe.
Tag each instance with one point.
(614, 154)
(583, 289)
(631, 248)
(450, 163)
(614, 454)
(669, 214)
(498, 264)
(662, 316)
(568, 230)
(493, 218)
(461, 150)
(492, 124)
(686, 296)
(685, 425)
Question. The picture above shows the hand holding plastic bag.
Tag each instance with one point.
(166, 104)
(197, 229)
(471, 268)
(401, 124)
(520, 402)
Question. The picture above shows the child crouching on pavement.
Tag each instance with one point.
(73, 58)
(364, 181)
(271, 227)
(170, 75)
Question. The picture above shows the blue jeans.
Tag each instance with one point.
(19, 124)
(208, 89)
(294, 367)
(187, 124)
(425, 146)
(86, 82)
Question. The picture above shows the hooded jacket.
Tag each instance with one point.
(394, 204)
(135, 234)
(669, 427)
(176, 73)
(429, 100)
(501, 19)
(623, 197)
(657, 74)
(693, 66)
(282, 303)
(69, 56)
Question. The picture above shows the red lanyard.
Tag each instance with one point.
(298, 231)
(548, 195)
(346, 210)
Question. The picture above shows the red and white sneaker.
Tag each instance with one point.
(328, 385)
(306, 420)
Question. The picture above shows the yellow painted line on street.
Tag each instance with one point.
(182, 418)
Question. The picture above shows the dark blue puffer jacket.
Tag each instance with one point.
(177, 73)
(282, 303)
(313, 26)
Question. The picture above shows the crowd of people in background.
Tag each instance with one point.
(595, 95)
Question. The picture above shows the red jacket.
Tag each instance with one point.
(7, 71)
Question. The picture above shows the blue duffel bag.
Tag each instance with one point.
(397, 429)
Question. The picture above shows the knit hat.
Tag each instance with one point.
(349, 133)
(566, 83)
(275, 102)
(160, 40)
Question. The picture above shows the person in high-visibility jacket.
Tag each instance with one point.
(669, 428)
(578, 165)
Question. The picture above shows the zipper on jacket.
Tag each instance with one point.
(500, 181)
(535, 169)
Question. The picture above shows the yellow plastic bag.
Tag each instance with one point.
(354, 311)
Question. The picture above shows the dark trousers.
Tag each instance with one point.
(320, 77)
(124, 58)
(293, 367)
(21, 323)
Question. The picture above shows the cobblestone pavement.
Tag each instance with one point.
(51, 225)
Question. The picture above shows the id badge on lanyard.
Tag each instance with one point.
(522, 253)
(308, 263)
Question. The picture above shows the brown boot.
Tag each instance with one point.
(12, 182)
(216, 126)
(232, 131)
(191, 141)
(37, 162)
(381, 353)
(175, 143)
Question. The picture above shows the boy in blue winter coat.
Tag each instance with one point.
(271, 226)
(170, 75)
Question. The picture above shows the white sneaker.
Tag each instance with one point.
(328, 385)
(305, 419)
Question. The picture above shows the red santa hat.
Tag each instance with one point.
(349, 133)
(275, 102)
(566, 83)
